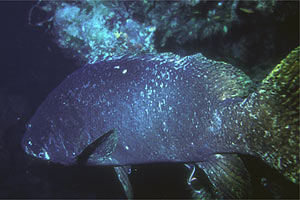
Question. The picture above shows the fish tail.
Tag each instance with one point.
(273, 112)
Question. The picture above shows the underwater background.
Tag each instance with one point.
(38, 51)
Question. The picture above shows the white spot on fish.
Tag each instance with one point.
(86, 85)
(216, 123)
(117, 67)
(165, 129)
(149, 92)
(142, 94)
(126, 147)
(124, 71)
(219, 156)
(159, 107)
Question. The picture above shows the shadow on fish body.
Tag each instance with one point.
(166, 108)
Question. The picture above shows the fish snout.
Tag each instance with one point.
(32, 147)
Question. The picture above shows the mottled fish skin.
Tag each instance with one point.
(267, 121)
(273, 110)
(162, 106)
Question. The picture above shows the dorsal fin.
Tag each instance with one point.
(228, 81)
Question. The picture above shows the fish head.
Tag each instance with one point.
(45, 137)
(64, 138)
(30, 144)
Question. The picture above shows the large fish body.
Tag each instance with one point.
(161, 108)
(165, 108)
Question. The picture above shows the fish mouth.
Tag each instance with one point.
(32, 149)
(27, 146)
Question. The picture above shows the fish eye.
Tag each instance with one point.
(28, 126)
(44, 155)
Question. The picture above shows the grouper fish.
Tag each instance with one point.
(167, 108)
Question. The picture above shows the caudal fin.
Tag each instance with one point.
(274, 112)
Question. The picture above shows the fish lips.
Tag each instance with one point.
(36, 146)
(32, 147)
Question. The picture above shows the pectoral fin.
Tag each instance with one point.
(105, 145)
(122, 173)
(228, 177)
(199, 183)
